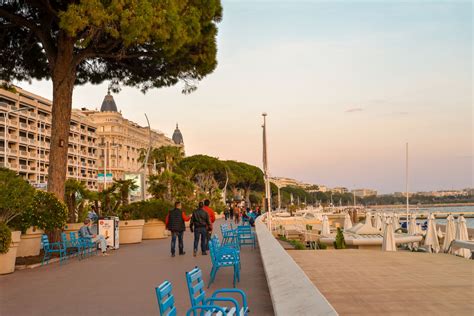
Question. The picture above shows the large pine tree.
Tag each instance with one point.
(139, 43)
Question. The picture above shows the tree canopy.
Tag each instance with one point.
(144, 44)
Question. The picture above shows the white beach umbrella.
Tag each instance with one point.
(461, 234)
(396, 222)
(450, 232)
(412, 227)
(388, 242)
(325, 231)
(378, 221)
(368, 218)
(431, 238)
(347, 222)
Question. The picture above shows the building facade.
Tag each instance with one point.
(364, 192)
(120, 141)
(100, 142)
(25, 131)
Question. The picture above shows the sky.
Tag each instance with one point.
(346, 84)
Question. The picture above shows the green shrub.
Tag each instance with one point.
(47, 212)
(5, 238)
(340, 242)
(16, 195)
(321, 245)
(146, 210)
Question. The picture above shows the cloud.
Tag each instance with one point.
(351, 110)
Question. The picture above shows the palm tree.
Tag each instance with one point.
(75, 196)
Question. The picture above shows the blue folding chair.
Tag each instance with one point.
(167, 307)
(246, 236)
(197, 295)
(165, 299)
(223, 257)
(52, 247)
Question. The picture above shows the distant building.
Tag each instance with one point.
(364, 192)
(444, 193)
(288, 182)
(340, 190)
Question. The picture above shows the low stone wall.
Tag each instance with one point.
(291, 290)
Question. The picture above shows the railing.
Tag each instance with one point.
(292, 292)
(23, 167)
(24, 139)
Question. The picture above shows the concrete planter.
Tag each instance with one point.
(72, 227)
(30, 243)
(7, 260)
(154, 229)
(131, 232)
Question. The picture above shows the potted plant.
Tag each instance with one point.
(15, 196)
(154, 212)
(30, 234)
(131, 224)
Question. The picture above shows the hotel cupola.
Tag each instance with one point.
(177, 136)
(108, 105)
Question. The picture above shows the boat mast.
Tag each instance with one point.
(406, 183)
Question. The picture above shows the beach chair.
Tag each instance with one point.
(224, 257)
(197, 295)
(167, 308)
(52, 247)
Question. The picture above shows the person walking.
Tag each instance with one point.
(199, 225)
(212, 219)
(175, 223)
(227, 211)
(231, 212)
(236, 214)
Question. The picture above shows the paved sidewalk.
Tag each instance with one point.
(123, 283)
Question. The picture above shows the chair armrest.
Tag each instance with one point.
(205, 308)
(244, 297)
(212, 299)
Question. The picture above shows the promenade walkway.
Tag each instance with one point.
(123, 283)
(365, 282)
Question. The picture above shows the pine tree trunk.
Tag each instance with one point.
(64, 75)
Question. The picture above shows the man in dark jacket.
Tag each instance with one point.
(200, 224)
(175, 223)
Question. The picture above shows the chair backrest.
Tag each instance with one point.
(45, 241)
(244, 229)
(73, 236)
(197, 295)
(63, 237)
(165, 299)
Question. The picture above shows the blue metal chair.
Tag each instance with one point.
(75, 241)
(68, 244)
(223, 257)
(52, 247)
(206, 310)
(197, 295)
(246, 236)
(229, 235)
(167, 308)
(165, 299)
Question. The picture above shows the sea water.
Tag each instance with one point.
(446, 209)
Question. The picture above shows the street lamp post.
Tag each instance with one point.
(6, 114)
(268, 204)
